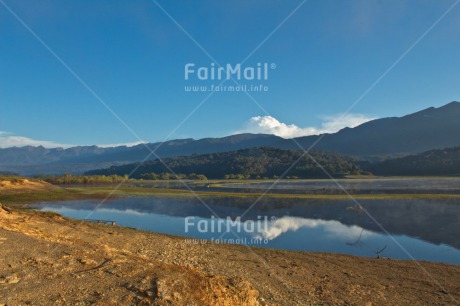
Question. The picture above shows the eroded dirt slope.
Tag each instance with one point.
(23, 185)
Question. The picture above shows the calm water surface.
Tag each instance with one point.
(414, 228)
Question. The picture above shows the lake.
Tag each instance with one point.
(356, 186)
(404, 228)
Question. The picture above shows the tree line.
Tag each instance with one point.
(70, 179)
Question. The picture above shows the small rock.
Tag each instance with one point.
(11, 279)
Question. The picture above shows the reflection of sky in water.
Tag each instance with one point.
(284, 232)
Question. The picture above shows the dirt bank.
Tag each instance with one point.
(23, 185)
(48, 259)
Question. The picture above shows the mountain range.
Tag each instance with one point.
(379, 139)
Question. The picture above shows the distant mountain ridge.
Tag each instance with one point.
(431, 128)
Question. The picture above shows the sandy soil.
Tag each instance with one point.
(24, 185)
(47, 259)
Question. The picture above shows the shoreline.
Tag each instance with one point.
(85, 262)
(164, 268)
(33, 191)
(82, 193)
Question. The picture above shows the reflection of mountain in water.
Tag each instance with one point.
(436, 221)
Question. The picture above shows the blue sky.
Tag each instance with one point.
(132, 55)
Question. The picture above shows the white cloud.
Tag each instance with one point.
(7, 140)
(335, 123)
(128, 144)
(330, 124)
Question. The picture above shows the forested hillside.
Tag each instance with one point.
(246, 163)
(434, 162)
